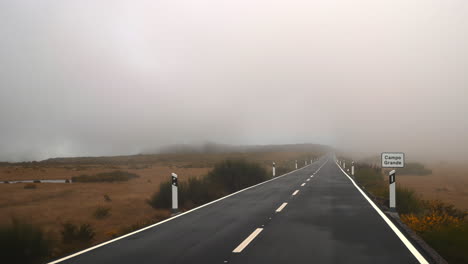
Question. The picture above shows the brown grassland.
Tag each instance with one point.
(448, 183)
(49, 205)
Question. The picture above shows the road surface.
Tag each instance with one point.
(313, 215)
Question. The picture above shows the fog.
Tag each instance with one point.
(86, 78)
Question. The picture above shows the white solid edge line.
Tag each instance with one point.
(302, 185)
(247, 241)
(294, 193)
(395, 229)
(169, 219)
(281, 207)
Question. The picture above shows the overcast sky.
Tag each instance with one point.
(112, 77)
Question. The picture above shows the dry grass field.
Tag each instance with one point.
(448, 183)
(51, 204)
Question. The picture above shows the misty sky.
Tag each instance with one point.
(112, 77)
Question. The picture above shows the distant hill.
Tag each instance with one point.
(210, 147)
(162, 153)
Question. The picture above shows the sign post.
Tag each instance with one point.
(175, 185)
(391, 178)
(392, 160)
(274, 169)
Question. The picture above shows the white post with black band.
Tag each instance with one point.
(274, 169)
(391, 179)
(175, 184)
(296, 164)
(352, 168)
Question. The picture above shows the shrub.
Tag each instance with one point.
(196, 192)
(414, 168)
(23, 243)
(438, 207)
(163, 198)
(450, 241)
(101, 212)
(371, 178)
(227, 177)
(107, 198)
(30, 186)
(234, 175)
(105, 177)
(407, 201)
(71, 233)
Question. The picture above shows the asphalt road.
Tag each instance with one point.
(322, 218)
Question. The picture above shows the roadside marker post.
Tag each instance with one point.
(175, 185)
(274, 169)
(344, 164)
(305, 162)
(352, 168)
(296, 164)
(391, 178)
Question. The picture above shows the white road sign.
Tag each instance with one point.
(393, 160)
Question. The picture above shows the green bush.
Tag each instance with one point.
(23, 243)
(371, 178)
(105, 177)
(163, 198)
(451, 242)
(234, 175)
(227, 177)
(199, 191)
(72, 233)
(407, 201)
(101, 212)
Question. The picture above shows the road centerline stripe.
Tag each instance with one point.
(247, 241)
(294, 193)
(302, 185)
(281, 207)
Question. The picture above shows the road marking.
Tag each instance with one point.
(281, 207)
(302, 185)
(308, 180)
(172, 218)
(294, 193)
(247, 241)
(395, 229)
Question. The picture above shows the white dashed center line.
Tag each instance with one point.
(308, 180)
(294, 193)
(247, 241)
(302, 185)
(281, 207)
